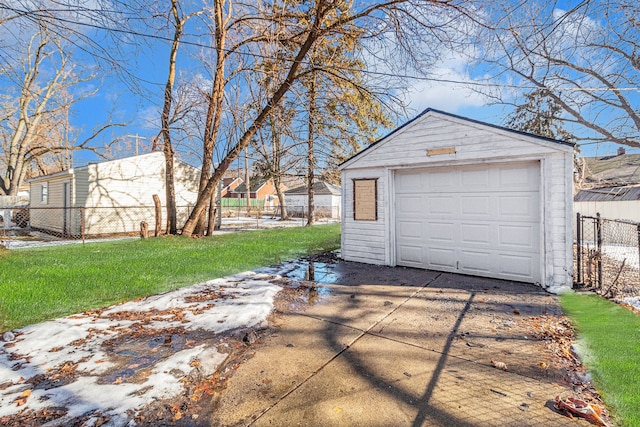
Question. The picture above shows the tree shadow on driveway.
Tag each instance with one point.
(397, 346)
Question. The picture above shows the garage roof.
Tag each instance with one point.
(455, 116)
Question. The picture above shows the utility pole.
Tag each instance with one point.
(137, 138)
(246, 178)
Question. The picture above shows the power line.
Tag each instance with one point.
(39, 13)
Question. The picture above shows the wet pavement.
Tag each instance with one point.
(379, 346)
(313, 342)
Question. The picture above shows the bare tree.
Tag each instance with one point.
(178, 20)
(303, 25)
(34, 131)
(585, 60)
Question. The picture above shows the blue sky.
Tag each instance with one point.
(141, 113)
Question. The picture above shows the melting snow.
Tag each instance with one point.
(77, 342)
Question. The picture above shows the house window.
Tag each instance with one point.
(365, 199)
(44, 193)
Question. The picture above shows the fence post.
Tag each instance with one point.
(156, 202)
(638, 242)
(82, 224)
(579, 249)
(599, 234)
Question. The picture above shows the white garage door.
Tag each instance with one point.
(480, 220)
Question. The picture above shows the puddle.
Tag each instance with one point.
(135, 356)
(319, 272)
(306, 286)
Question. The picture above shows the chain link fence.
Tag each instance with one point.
(607, 256)
(100, 222)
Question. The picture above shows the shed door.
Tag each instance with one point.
(481, 220)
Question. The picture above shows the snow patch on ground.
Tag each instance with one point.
(70, 352)
(633, 301)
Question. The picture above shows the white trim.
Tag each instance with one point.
(543, 212)
(390, 215)
(461, 121)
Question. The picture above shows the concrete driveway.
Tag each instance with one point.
(375, 346)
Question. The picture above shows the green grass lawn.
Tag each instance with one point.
(44, 283)
(610, 340)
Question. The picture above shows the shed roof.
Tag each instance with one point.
(320, 188)
(616, 193)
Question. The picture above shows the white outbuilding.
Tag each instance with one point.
(448, 193)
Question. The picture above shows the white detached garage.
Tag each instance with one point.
(452, 194)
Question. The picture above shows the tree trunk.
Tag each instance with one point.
(284, 215)
(310, 154)
(169, 173)
(211, 225)
(244, 140)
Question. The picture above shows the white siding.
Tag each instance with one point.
(364, 241)
(50, 214)
(557, 193)
(628, 210)
(474, 143)
(471, 141)
(326, 205)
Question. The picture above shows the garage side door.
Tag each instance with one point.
(479, 220)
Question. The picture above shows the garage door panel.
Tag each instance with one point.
(439, 181)
(475, 205)
(410, 229)
(481, 220)
(516, 177)
(475, 178)
(410, 254)
(409, 183)
(440, 204)
(475, 233)
(521, 206)
(441, 257)
(517, 236)
(410, 204)
(476, 260)
(439, 232)
(517, 266)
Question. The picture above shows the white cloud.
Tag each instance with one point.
(451, 93)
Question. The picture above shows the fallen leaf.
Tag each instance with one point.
(22, 399)
(499, 365)
(580, 408)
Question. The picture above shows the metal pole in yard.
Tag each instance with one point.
(638, 242)
(578, 249)
(82, 224)
(599, 220)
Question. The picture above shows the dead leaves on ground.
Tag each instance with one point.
(580, 408)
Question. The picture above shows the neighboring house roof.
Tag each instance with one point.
(455, 116)
(616, 193)
(255, 186)
(226, 182)
(320, 188)
(70, 172)
(613, 170)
